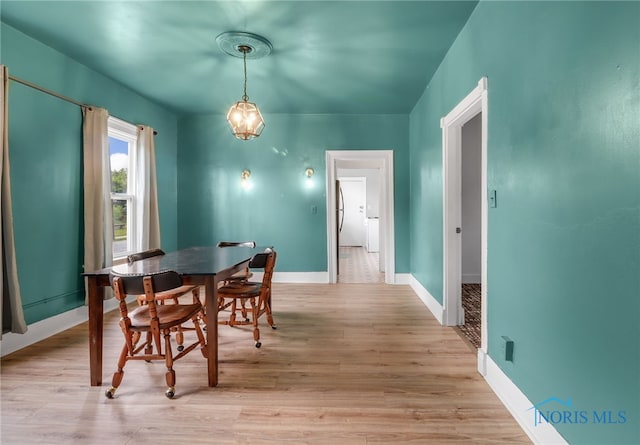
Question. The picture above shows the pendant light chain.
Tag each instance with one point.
(244, 58)
(244, 117)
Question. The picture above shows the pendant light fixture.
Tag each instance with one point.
(244, 117)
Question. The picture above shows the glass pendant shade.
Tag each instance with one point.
(244, 116)
(245, 120)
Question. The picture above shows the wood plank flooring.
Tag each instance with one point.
(348, 364)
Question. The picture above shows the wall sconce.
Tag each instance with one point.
(245, 175)
(308, 172)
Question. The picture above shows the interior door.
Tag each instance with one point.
(353, 215)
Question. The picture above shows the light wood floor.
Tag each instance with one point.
(348, 364)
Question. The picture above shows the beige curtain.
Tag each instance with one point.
(11, 299)
(148, 224)
(98, 222)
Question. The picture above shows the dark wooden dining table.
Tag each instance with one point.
(205, 266)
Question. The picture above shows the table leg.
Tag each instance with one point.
(96, 310)
(211, 305)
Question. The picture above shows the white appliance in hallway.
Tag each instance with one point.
(373, 235)
(351, 212)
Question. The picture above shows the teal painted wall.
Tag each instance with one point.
(45, 143)
(564, 157)
(278, 210)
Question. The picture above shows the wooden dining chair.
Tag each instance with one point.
(234, 296)
(155, 319)
(169, 294)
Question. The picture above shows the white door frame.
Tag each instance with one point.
(451, 124)
(380, 159)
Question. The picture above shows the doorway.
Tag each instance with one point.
(465, 210)
(358, 228)
(361, 161)
(471, 236)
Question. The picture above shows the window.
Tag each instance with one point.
(122, 159)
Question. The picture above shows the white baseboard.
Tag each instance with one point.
(429, 301)
(297, 277)
(40, 330)
(518, 404)
(509, 394)
(317, 277)
(482, 362)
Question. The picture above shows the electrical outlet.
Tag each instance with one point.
(507, 347)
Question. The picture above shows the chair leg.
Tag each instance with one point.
(148, 349)
(243, 309)
(180, 339)
(178, 330)
(255, 314)
(170, 376)
(264, 307)
(232, 317)
(201, 339)
(119, 374)
(270, 320)
(267, 309)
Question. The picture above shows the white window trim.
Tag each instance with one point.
(125, 131)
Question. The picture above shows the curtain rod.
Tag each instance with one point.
(54, 94)
(49, 92)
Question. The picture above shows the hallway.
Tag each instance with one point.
(359, 266)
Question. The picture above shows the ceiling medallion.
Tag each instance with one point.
(230, 42)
